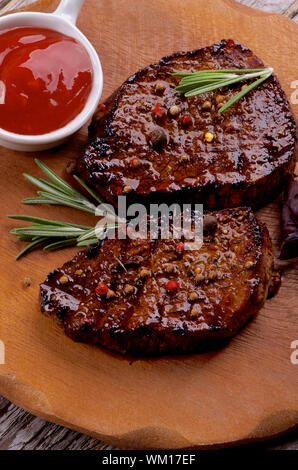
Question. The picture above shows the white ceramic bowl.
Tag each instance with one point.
(62, 20)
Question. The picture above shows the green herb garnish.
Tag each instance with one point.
(54, 234)
(197, 83)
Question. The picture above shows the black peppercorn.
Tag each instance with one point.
(158, 138)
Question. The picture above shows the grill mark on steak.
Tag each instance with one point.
(236, 263)
(245, 163)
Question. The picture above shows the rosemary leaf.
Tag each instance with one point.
(242, 93)
(92, 193)
(83, 202)
(216, 72)
(48, 231)
(91, 241)
(60, 244)
(27, 238)
(38, 220)
(57, 201)
(183, 88)
(42, 184)
(204, 81)
(223, 83)
(55, 234)
(87, 234)
(56, 179)
(28, 247)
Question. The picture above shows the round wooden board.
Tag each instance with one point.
(246, 391)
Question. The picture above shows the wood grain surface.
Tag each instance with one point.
(213, 404)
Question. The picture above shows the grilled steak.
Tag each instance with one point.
(151, 142)
(151, 296)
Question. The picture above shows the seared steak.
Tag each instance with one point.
(150, 143)
(151, 296)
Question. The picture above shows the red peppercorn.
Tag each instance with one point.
(186, 120)
(134, 162)
(102, 107)
(157, 108)
(101, 288)
(172, 285)
(179, 247)
(159, 112)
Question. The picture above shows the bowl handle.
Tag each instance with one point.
(69, 9)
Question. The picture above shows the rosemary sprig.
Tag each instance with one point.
(57, 191)
(197, 83)
(55, 234)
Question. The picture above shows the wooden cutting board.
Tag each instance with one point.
(246, 391)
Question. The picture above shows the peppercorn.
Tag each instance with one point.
(199, 277)
(159, 87)
(209, 136)
(63, 279)
(174, 110)
(179, 247)
(193, 296)
(172, 285)
(158, 111)
(101, 288)
(26, 282)
(186, 120)
(169, 268)
(206, 105)
(128, 289)
(127, 189)
(220, 98)
(110, 294)
(71, 167)
(135, 162)
(144, 272)
(158, 138)
(195, 311)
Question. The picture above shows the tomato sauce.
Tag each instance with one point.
(45, 80)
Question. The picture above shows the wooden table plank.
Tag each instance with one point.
(286, 7)
(20, 430)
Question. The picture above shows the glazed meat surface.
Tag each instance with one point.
(140, 149)
(159, 299)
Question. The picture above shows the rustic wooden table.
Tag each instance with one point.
(20, 430)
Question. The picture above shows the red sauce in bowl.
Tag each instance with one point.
(45, 80)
